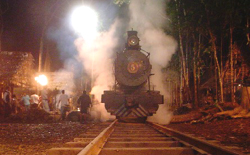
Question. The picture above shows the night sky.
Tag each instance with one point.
(22, 26)
(23, 22)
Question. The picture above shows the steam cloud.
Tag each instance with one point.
(148, 18)
(97, 61)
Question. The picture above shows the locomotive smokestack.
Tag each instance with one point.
(132, 32)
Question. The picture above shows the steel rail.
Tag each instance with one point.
(199, 143)
(96, 145)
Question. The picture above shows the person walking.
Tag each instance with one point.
(45, 101)
(64, 99)
(84, 102)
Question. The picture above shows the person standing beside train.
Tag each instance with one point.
(64, 99)
(84, 101)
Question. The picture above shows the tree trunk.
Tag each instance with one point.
(217, 64)
(187, 83)
(248, 36)
(182, 57)
(214, 49)
(245, 100)
(186, 90)
(221, 60)
(195, 76)
(231, 65)
(198, 68)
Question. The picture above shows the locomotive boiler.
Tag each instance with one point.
(132, 99)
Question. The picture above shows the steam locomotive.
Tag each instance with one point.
(132, 99)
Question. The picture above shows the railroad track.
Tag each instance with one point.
(138, 139)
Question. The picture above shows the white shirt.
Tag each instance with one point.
(34, 99)
(44, 94)
(57, 101)
(64, 99)
(5, 95)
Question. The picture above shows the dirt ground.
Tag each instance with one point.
(228, 131)
(34, 139)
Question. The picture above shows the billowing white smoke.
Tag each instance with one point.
(98, 62)
(148, 18)
(63, 80)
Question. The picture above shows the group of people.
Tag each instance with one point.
(11, 105)
(60, 102)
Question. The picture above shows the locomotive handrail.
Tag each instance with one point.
(146, 52)
(96, 145)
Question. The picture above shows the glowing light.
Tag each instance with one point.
(84, 22)
(42, 80)
(78, 109)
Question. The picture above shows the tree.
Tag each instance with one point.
(209, 27)
(177, 14)
(231, 10)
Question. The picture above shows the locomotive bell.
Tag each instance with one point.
(133, 41)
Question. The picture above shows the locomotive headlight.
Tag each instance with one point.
(133, 40)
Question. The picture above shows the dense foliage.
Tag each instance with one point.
(211, 35)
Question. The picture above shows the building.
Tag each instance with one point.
(16, 70)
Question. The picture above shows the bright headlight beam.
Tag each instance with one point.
(84, 21)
